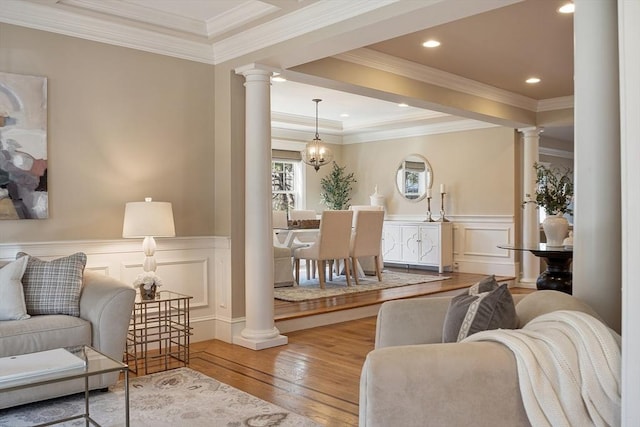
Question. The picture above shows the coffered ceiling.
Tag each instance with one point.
(490, 43)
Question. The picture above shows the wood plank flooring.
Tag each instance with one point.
(318, 373)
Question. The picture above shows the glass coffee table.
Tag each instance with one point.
(95, 363)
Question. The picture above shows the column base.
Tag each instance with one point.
(260, 344)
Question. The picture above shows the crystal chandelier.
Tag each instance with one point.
(316, 153)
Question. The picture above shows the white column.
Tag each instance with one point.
(597, 233)
(530, 218)
(260, 331)
(629, 36)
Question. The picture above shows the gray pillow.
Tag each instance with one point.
(475, 311)
(53, 287)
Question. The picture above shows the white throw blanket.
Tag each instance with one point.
(568, 368)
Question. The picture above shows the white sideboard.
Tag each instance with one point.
(418, 243)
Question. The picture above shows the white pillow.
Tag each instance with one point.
(12, 306)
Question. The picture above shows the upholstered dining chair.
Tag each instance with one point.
(366, 239)
(279, 221)
(366, 263)
(331, 243)
(297, 214)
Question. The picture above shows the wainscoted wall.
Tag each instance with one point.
(196, 266)
(475, 240)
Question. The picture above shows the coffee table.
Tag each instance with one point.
(96, 363)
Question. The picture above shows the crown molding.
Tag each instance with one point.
(302, 21)
(238, 16)
(293, 121)
(41, 17)
(551, 104)
(139, 13)
(408, 132)
(555, 152)
(370, 58)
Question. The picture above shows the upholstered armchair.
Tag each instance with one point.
(411, 378)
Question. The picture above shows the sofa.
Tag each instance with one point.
(412, 378)
(105, 306)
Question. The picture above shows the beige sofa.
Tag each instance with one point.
(105, 310)
(412, 379)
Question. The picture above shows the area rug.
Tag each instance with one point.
(310, 289)
(180, 397)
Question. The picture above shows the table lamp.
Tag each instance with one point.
(148, 219)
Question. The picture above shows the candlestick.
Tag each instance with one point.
(429, 219)
(442, 218)
(428, 193)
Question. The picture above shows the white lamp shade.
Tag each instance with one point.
(148, 218)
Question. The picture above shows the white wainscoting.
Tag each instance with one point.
(475, 243)
(196, 266)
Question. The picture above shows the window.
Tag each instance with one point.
(286, 184)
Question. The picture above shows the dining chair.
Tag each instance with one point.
(366, 264)
(366, 239)
(279, 223)
(331, 243)
(303, 240)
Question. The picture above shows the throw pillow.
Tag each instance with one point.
(53, 287)
(476, 311)
(12, 305)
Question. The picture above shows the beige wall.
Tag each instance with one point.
(122, 124)
(477, 168)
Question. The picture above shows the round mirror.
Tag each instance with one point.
(414, 177)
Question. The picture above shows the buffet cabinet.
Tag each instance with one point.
(424, 244)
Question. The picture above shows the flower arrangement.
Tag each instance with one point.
(554, 190)
(146, 280)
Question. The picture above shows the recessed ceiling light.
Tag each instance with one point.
(567, 8)
(533, 80)
(403, 105)
(344, 115)
(431, 43)
(278, 79)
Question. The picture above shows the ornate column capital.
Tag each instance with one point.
(531, 131)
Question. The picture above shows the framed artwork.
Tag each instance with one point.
(23, 147)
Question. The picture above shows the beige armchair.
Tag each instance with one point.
(412, 379)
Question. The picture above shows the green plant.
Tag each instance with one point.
(336, 188)
(554, 189)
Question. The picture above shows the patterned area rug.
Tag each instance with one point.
(180, 397)
(310, 289)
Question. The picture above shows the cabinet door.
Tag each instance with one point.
(411, 244)
(391, 243)
(430, 245)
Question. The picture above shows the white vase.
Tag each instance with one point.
(555, 228)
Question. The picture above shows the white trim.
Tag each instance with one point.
(555, 152)
(412, 70)
(551, 104)
(42, 17)
(629, 54)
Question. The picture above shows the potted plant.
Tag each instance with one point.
(554, 193)
(336, 188)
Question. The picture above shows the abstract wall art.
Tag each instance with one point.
(23, 147)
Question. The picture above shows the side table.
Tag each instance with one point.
(159, 333)
(557, 276)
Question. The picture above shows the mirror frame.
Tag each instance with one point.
(401, 172)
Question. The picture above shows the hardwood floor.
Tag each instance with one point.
(318, 373)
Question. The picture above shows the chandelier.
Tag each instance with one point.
(316, 153)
